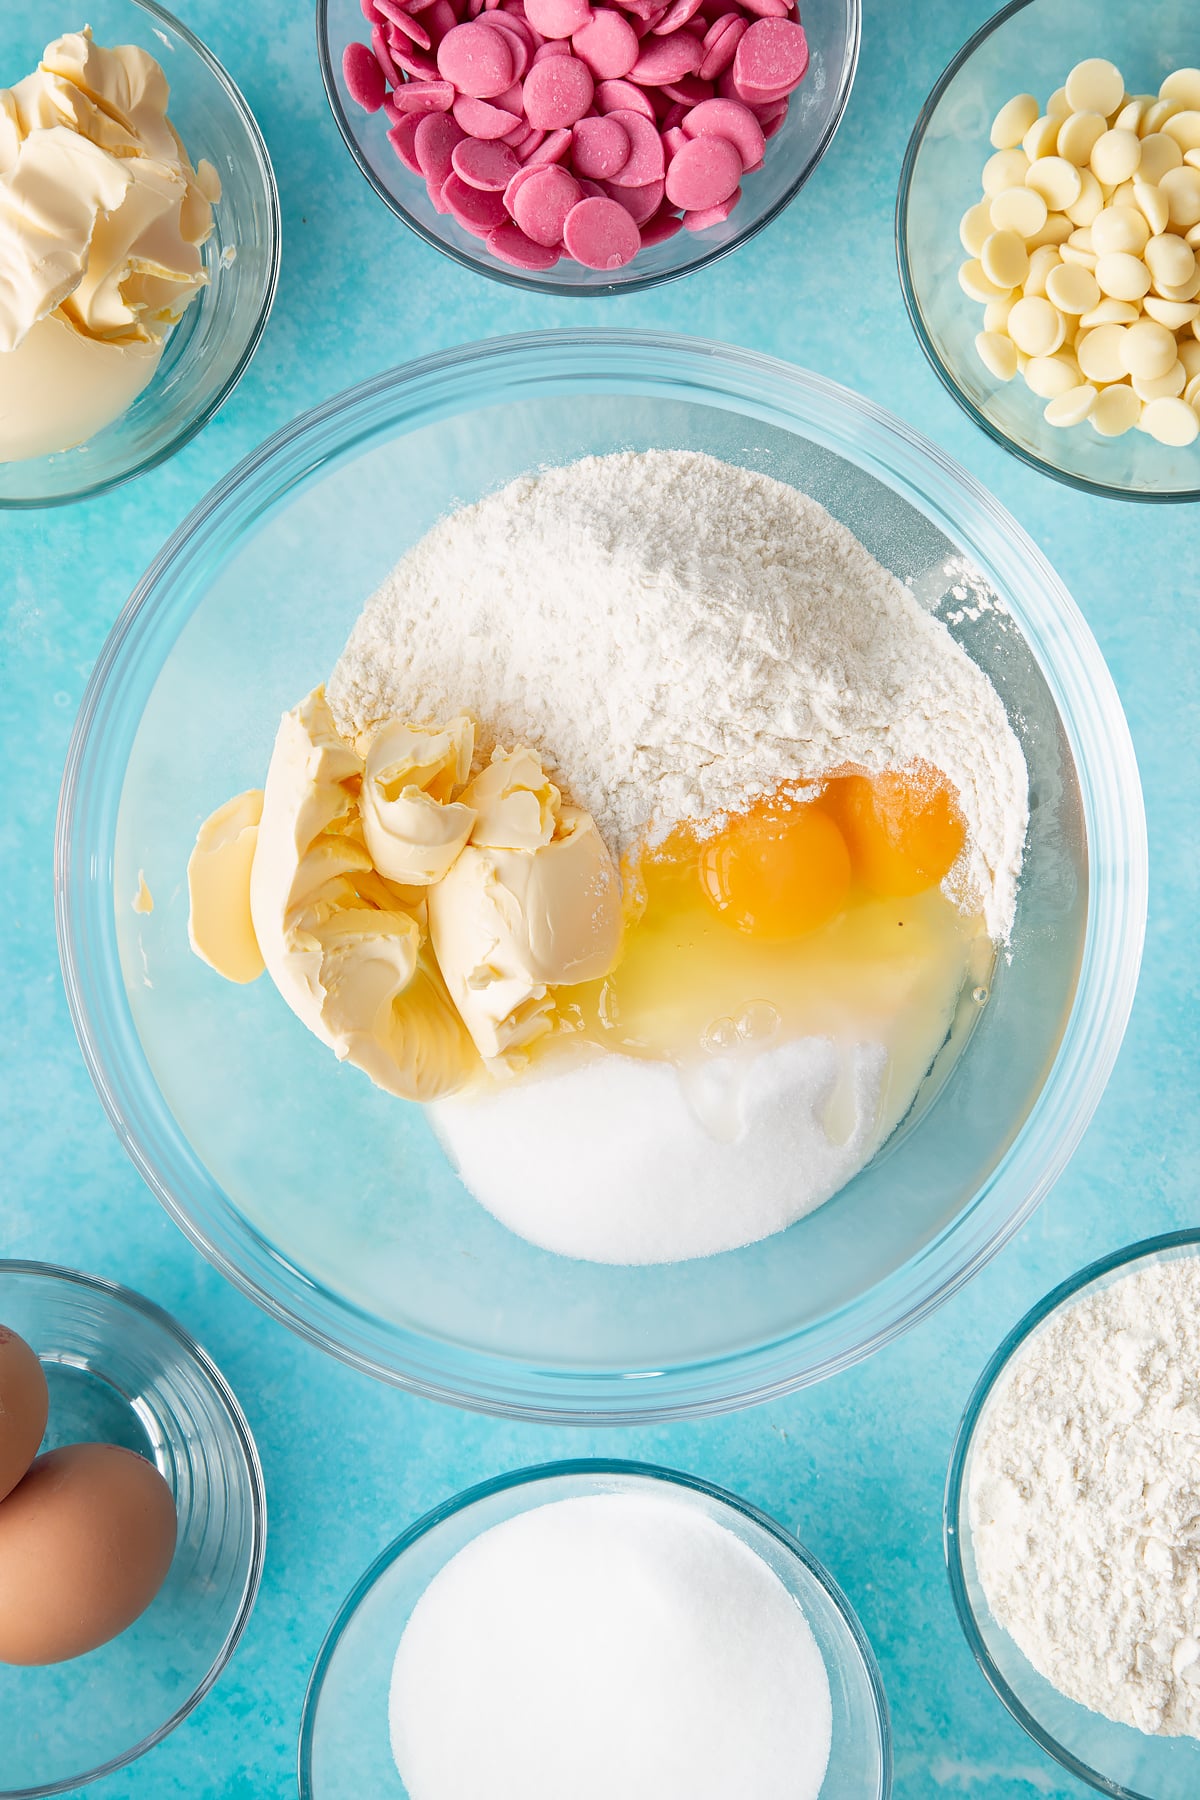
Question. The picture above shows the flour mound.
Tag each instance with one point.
(1084, 1500)
(676, 636)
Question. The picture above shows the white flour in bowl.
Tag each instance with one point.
(1084, 1499)
(676, 636)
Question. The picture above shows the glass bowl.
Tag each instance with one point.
(1028, 47)
(1114, 1758)
(210, 349)
(833, 28)
(121, 1371)
(344, 1743)
(333, 1203)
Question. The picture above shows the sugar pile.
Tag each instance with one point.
(643, 1176)
(676, 636)
(609, 1645)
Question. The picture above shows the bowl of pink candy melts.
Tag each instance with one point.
(587, 146)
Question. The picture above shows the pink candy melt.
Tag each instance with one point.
(363, 77)
(601, 235)
(590, 129)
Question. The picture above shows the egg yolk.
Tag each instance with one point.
(903, 828)
(777, 871)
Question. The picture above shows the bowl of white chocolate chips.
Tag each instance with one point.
(139, 243)
(1064, 142)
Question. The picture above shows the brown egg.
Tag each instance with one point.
(24, 1403)
(86, 1540)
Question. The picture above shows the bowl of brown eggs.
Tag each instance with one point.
(132, 1526)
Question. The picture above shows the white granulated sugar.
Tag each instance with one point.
(696, 1167)
(614, 1645)
(676, 636)
(1084, 1500)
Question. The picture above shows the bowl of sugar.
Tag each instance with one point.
(595, 1628)
(820, 1085)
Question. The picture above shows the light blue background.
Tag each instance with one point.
(856, 1467)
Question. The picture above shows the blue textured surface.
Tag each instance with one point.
(855, 1466)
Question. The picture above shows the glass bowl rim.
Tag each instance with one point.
(1068, 1290)
(113, 1293)
(192, 426)
(1062, 644)
(529, 279)
(595, 1468)
(1104, 490)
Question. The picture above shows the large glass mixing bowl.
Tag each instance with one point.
(332, 1203)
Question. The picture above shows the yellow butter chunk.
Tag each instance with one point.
(220, 928)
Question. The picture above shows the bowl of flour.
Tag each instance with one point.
(335, 1204)
(1071, 1521)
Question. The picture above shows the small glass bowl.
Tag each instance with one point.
(1028, 47)
(209, 350)
(121, 1371)
(833, 28)
(345, 1749)
(1115, 1759)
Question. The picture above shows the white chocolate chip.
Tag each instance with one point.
(1152, 204)
(1013, 121)
(1172, 422)
(976, 227)
(1149, 349)
(1170, 260)
(1156, 116)
(1005, 260)
(973, 282)
(1007, 168)
(1182, 189)
(1019, 209)
(1073, 289)
(1109, 312)
(1036, 327)
(1159, 153)
(1161, 387)
(1116, 411)
(995, 315)
(1077, 135)
(1122, 277)
(1182, 86)
(1095, 86)
(1056, 180)
(1119, 229)
(1115, 157)
(1071, 407)
(1174, 314)
(1041, 138)
(1184, 127)
(1040, 264)
(998, 354)
(1101, 355)
(1090, 201)
(1047, 376)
